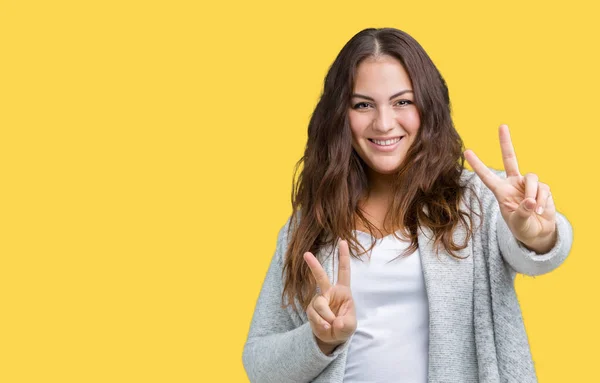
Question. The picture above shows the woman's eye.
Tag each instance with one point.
(358, 106)
(362, 105)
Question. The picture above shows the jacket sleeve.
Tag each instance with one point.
(276, 350)
(521, 259)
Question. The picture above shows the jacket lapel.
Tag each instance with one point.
(449, 285)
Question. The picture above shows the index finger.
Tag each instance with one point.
(344, 267)
(489, 178)
(317, 271)
(509, 158)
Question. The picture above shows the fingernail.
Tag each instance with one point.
(539, 210)
(529, 205)
(326, 326)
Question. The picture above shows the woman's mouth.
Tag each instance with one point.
(386, 145)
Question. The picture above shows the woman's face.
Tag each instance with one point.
(383, 117)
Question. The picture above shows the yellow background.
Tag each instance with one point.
(146, 158)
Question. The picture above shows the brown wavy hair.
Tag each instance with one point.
(326, 195)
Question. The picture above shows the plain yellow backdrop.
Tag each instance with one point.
(146, 158)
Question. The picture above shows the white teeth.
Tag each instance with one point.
(386, 142)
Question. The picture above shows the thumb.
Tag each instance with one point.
(525, 210)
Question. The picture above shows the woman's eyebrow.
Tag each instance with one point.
(391, 97)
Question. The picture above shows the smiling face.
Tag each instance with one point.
(383, 117)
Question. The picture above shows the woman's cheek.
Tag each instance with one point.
(414, 121)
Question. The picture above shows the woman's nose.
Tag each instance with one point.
(385, 120)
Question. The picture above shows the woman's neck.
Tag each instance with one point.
(380, 186)
(377, 202)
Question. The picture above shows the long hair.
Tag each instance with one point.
(325, 198)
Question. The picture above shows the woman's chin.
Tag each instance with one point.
(383, 165)
(385, 170)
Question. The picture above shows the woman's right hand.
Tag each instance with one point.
(332, 314)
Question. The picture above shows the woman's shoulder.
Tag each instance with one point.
(284, 234)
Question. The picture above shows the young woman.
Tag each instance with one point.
(397, 263)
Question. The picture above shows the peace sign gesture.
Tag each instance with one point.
(332, 314)
(525, 203)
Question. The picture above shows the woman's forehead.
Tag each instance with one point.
(382, 76)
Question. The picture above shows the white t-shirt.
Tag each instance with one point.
(391, 341)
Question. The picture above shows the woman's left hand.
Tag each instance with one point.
(525, 203)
